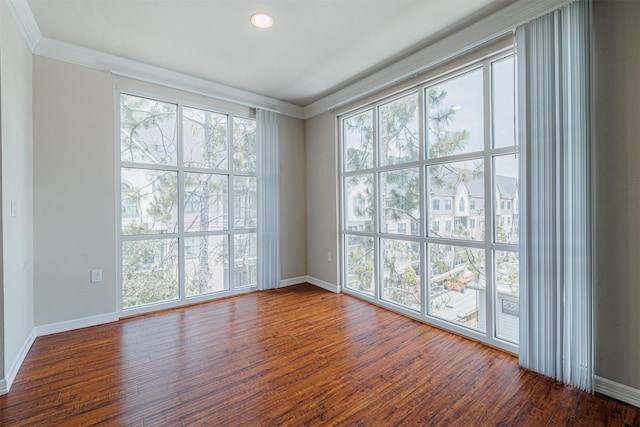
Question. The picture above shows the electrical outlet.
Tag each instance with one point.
(96, 276)
(328, 256)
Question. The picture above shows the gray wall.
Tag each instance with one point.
(74, 187)
(617, 190)
(17, 186)
(293, 212)
(322, 208)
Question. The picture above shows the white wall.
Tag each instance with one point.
(17, 186)
(617, 190)
(74, 187)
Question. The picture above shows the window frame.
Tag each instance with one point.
(489, 245)
(180, 169)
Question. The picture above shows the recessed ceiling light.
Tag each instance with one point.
(262, 20)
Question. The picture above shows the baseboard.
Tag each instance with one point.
(17, 363)
(616, 390)
(69, 325)
(324, 285)
(293, 281)
(3, 387)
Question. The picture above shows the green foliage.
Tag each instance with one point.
(149, 270)
(360, 264)
(148, 130)
(149, 136)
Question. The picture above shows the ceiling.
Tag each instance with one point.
(315, 48)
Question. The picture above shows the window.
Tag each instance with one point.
(129, 202)
(452, 139)
(194, 188)
(402, 228)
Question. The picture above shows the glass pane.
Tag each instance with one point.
(206, 263)
(357, 132)
(401, 272)
(456, 200)
(503, 103)
(205, 202)
(400, 202)
(148, 131)
(245, 270)
(245, 201)
(508, 295)
(457, 285)
(205, 139)
(154, 195)
(244, 144)
(359, 206)
(399, 131)
(149, 271)
(506, 185)
(360, 263)
(455, 112)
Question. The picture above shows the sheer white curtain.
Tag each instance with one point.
(554, 133)
(268, 199)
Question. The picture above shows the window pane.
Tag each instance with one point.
(400, 201)
(503, 103)
(457, 285)
(245, 269)
(206, 263)
(506, 199)
(455, 112)
(155, 195)
(360, 263)
(508, 295)
(205, 139)
(359, 206)
(205, 202)
(399, 131)
(245, 201)
(401, 272)
(148, 131)
(357, 133)
(244, 144)
(458, 189)
(149, 271)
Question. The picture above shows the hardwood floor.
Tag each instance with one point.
(293, 356)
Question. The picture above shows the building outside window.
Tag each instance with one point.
(467, 153)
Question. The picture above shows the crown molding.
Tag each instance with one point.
(26, 22)
(485, 30)
(136, 70)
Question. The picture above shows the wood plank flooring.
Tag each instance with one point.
(289, 357)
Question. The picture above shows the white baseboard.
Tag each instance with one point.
(616, 390)
(309, 279)
(17, 363)
(54, 328)
(324, 285)
(293, 281)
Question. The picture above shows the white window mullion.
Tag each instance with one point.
(180, 207)
(489, 204)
